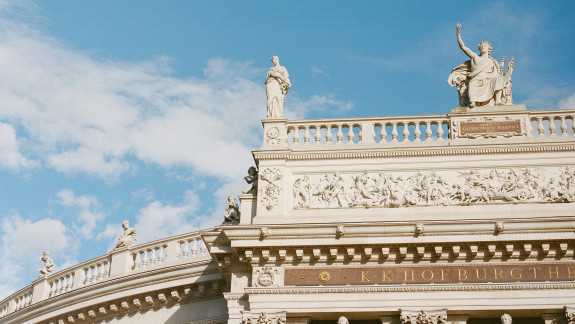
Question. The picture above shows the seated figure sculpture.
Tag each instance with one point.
(481, 81)
(128, 237)
(48, 265)
(233, 211)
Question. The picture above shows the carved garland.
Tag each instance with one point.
(271, 191)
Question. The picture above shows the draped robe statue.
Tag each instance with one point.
(277, 86)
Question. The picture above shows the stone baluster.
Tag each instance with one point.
(296, 135)
(108, 266)
(339, 134)
(440, 131)
(153, 256)
(137, 261)
(186, 249)
(417, 132)
(195, 247)
(317, 138)
(145, 259)
(88, 275)
(53, 288)
(552, 127)
(328, 135)
(573, 124)
(101, 271)
(161, 254)
(428, 131)
(69, 282)
(540, 127)
(383, 133)
(394, 133)
(306, 136)
(202, 248)
(563, 127)
(350, 134)
(405, 131)
(94, 274)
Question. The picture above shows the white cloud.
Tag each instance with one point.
(12, 158)
(158, 219)
(85, 209)
(567, 103)
(23, 241)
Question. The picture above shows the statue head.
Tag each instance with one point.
(275, 59)
(506, 319)
(46, 253)
(126, 224)
(231, 198)
(485, 46)
(342, 320)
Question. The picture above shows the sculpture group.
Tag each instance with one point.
(334, 190)
(481, 81)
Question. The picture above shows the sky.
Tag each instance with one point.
(148, 110)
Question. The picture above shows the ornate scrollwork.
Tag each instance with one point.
(266, 277)
(263, 318)
(423, 317)
(271, 191)
(516, 185)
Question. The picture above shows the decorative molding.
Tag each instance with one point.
(423, 317)
(400, 288)
(266, 277)
(433, 188)
(263, 317)
(271, 191)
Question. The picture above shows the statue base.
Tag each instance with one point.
(488, 109)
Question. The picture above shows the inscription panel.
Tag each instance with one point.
(533, 272)
(488, 127)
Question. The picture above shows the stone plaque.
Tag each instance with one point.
(529, 272)
(490, 127)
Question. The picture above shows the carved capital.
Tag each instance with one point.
(263, 318)
(438, 316)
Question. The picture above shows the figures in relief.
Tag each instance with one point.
(128, 237)
(252, 180)
(481, 81)
(277, 85)
(365, 190)
(48, 265)
(233, 211)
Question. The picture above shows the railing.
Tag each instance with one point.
(413, 129)
(367, 130)
(183, 248)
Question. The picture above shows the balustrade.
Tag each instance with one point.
(552, 123)
(367, 130)
(182, 248)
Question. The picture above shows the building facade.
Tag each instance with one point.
(453, 218)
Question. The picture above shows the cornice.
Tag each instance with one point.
(404, 288)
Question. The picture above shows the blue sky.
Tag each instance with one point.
(148, 110)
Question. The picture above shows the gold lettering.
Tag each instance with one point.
(497, 272)
(513, 276)
(571, 271)
(556, 273)
(484, 274)
(462, 274)
(364, 276)
(534, 271)
(444, 272)
(385, 277)
(423, 275)
(412, 276)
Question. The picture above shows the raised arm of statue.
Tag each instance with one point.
(465, 49)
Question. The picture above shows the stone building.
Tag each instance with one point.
(453, 218)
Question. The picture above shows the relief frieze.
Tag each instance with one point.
(433, 188)
(529, 272)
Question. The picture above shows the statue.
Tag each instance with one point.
(481, 81)
(233, 211)
(252, 180)
(506, 319)
(48, 265)
(128, 237)
(342, 320)
(277, 86)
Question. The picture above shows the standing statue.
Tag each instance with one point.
(252, 180)
(128, 237)
(48, 265)
(233, 211)
(277, 86)
(481, 81)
